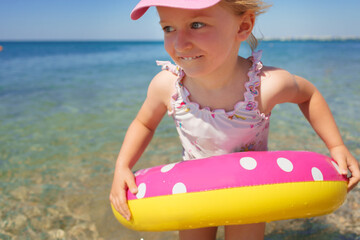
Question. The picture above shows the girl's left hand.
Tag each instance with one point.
(346, 161)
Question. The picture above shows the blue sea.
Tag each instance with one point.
(65, 108)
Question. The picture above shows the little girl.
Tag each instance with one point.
(220, 102)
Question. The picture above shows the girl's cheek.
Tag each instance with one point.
(168, 46)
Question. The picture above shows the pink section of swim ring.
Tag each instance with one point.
(235, 170)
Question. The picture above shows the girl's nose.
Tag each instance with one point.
(182, 42)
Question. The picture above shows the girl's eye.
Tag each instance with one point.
(197, 25)
(168, 29)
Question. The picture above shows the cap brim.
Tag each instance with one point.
(144, 5)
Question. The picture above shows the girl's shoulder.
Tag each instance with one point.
(162, 86)
(165, 75)
(277, 79)
(277, 86)
(274, 74)
(164, 80)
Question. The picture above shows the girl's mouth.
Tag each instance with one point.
(190, 58)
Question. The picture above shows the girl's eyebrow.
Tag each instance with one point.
(197, 18)
(202, 18)
(161, 22)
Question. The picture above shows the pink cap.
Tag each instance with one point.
(144, 5)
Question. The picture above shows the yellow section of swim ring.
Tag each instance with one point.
(231, 206)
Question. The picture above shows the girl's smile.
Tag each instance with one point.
(190, 58)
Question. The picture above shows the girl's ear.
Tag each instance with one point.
(246, 25)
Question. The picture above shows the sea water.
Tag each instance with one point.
(65, 108)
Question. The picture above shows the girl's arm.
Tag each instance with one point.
(280, 86)
(137, 139)
(317, 112)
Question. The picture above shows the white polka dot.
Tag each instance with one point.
(167, 168)
(285, 164)
(179, 188)
(336, 167)
(316, 174)
(141, 190)
(248, 163)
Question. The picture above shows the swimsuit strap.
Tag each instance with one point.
(254, 81)
(167, 65)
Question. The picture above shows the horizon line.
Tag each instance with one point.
(302, 38)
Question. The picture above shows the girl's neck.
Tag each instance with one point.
(223, 77)
(221, 90)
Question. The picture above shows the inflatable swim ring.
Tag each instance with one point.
(237, 188)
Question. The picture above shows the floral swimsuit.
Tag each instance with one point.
(205, 133)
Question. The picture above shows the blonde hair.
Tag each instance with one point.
(239, 7)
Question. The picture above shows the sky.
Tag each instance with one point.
(110, 20)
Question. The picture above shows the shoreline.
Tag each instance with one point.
(263, 39)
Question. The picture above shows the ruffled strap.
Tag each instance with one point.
(254, 81)
(167, 65)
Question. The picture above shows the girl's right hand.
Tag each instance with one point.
(123, 180)
(138, 137)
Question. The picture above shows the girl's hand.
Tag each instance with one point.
(123, 180)
(346, 161)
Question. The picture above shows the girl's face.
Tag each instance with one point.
(200, 41)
